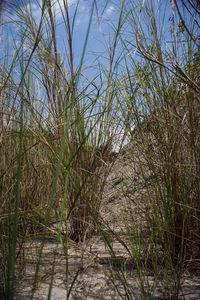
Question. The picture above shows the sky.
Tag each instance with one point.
(105, 18)
(104, 23)
(99, 33)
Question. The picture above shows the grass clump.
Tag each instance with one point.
(58, 129)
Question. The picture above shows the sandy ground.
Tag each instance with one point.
(97, 274)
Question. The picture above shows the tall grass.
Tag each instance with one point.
(58, 130)
(57, 172)
(162, 96)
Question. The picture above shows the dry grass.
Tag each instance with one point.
(57, 139)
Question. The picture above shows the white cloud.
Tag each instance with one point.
(58, 7)
(35, 10)
(109, 10)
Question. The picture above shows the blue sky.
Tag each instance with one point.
(101, 34)
(105, 15)
(99, 30)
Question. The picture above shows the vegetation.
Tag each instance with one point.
(58, 130)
